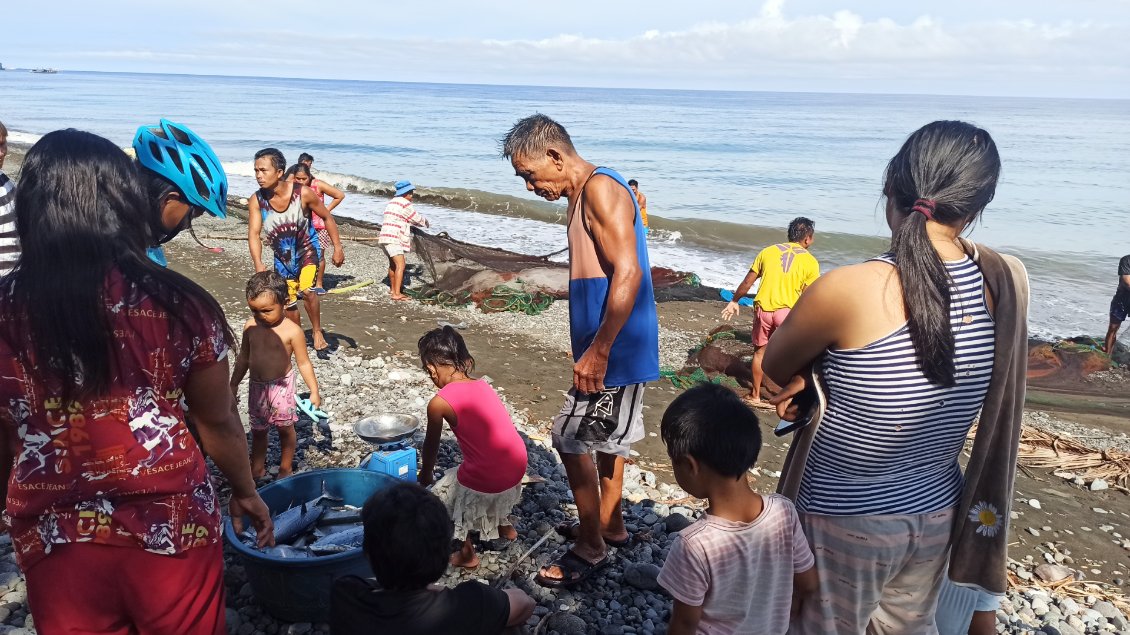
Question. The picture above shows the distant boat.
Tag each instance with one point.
(44, 70)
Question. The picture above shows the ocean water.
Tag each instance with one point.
(724, 172)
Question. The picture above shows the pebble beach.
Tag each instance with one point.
(1064, 527)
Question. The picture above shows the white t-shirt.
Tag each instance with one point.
(741, 574)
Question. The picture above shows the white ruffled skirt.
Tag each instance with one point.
(476, 511)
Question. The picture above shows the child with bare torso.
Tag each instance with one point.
(269, 342)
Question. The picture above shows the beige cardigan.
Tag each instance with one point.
(979, 541)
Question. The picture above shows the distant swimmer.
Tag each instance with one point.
(396, 234)
(785, 270)
(303, 175)
(282, 210)
(642, 200)
(1120, 305)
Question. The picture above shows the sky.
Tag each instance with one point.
(1046, 48)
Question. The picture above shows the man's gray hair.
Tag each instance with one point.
(531, 136)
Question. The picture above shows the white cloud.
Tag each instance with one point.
(830, 50)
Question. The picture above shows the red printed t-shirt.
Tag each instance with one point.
(494, 456)
(122, 469)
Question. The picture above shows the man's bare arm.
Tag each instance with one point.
(254, 227)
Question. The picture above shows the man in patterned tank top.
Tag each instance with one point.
(613, 329)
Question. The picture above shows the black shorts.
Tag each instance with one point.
(1119, 307)
(609, 421)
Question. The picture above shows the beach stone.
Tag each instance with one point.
(8, 581)
(567, 624)
(231, 616)
(1099, 485)
(346, 380)
(1034, 504)
(1067, 605)
(643, 576)
(1039, 607)
(302, 628)
(1053, 573)
(676, 523)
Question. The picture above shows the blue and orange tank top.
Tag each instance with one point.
(634, 358)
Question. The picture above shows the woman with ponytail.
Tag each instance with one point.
(910, 348)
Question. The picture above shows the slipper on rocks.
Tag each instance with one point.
(319, 291)
(308, 408)
(728, 296)
(574, 570)
(569, 531)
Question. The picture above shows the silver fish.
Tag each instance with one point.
(337, 542)
(296, 521)
(286, 552)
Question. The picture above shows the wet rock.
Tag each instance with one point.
(676, 523)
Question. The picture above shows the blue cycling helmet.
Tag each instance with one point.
(174, 151)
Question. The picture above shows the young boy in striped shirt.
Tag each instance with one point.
(745, 566)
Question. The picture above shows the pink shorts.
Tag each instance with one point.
(271, 403)
(767, 322)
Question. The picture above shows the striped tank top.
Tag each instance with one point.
(290, 234)
(634, 358)
(889, 440)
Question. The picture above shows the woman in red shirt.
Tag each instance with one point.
(110, 506)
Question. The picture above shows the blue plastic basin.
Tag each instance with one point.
(298, 590)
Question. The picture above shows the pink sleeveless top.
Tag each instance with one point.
(319, 224)
(494, 456)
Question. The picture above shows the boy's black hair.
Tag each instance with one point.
(800, 229)
(408, 535)
(267, 282)
(276, 157)
(634, 182)
(305, 157)
(710, 423)
(445, 347)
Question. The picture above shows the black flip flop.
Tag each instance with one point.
(571, 565)
(568, 531)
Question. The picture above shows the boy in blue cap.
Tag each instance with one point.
(396, 234)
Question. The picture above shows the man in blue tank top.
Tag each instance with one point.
(613, 329)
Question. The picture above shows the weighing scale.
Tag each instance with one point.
(391, 435)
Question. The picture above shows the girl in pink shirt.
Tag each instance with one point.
(482, 491)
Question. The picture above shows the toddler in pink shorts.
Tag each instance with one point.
(272, 386)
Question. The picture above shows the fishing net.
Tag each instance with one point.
(723, 357)
(497, 280)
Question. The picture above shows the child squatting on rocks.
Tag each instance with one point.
(745, 566)
(407, 537)
(269, 341)
(481, 492)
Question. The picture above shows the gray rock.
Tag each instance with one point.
(676, 523)
(8, 581)
(566, 624)
(643, 576)
(346, 379)
(302, 628)
(1099, 485)
(1053, 572)
(1068, 605)
(231, 616)
(1107, 610)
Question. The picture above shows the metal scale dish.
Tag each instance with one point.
(389, 433)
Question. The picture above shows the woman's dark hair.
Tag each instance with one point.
(300, 167)
(408, 536)
(267, 282)
(82, 210)
(947, 171)
(710, 423)
(305, 157)
(445, 347)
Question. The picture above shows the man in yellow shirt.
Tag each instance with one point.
(785, 270)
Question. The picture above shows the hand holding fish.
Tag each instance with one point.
(254, 507)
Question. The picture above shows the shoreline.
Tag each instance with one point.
(528, 359)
